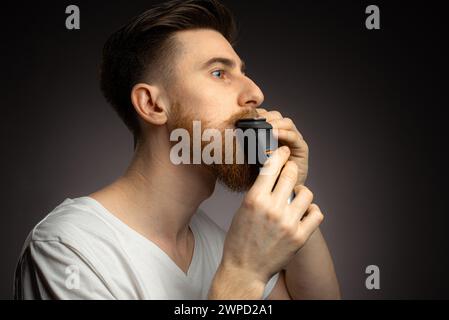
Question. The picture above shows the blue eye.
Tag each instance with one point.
(217, 73)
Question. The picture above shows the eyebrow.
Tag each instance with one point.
(225, 61)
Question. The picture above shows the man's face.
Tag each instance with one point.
(209, 85)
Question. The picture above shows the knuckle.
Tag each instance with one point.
(276, 113)
(248, 203)
(305, 146)
(307, 193)
(272, 212)
(288, 121)
(316, 212)
(272, 216)
(282, 152)
(310, 195)
(299, 238)
(290, 172)
(319, 216)
(252, 202)
(287, 229)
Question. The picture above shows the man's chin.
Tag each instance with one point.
(236, 177)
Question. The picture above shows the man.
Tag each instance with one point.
(143, 236)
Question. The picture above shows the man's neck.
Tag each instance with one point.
(156, 197)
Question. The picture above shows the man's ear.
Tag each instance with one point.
(149, 103)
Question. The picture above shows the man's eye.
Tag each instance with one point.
(218, 73)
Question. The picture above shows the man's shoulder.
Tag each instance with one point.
(73, 237)
(72, 221)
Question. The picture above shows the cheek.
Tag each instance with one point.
(209, 101)
(209, 106)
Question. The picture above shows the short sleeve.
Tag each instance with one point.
(53, 270)
(270, 285)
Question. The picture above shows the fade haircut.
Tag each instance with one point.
(143, 49)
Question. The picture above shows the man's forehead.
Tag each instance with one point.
(201, 46)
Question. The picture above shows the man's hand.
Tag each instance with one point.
(287, 134)
(266, 232)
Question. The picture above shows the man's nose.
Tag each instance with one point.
(251, 95)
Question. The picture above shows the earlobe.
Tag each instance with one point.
(148, 103)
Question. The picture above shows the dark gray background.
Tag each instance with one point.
(369, 103)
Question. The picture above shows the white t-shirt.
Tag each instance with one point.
(80, 250)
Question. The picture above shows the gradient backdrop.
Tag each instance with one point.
(369, 103)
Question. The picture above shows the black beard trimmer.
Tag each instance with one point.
(264, 147)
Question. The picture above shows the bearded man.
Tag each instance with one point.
(144, 236)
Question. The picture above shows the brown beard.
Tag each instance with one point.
(236, 177)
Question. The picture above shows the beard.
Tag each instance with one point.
(237, 177)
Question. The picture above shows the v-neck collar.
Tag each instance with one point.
(156, 249)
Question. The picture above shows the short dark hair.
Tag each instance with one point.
(138, 51)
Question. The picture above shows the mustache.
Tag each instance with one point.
(249, 113)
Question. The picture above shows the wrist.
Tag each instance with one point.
(232, 282)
